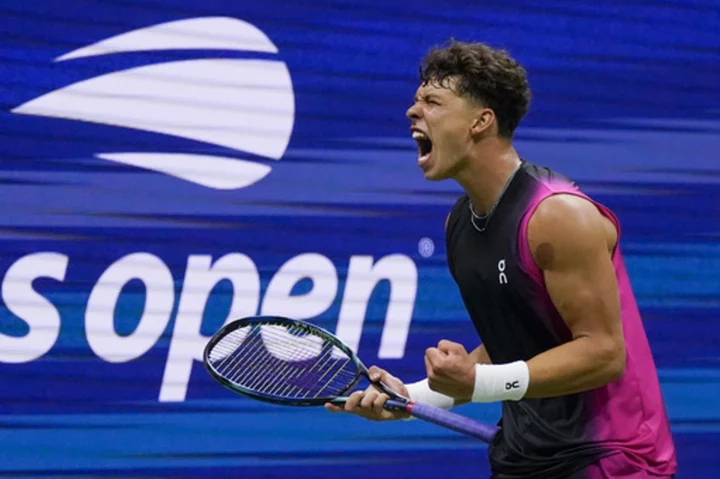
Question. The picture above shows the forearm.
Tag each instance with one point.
(579, 365)
(480, 355)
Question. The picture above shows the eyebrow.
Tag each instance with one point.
(427, 96)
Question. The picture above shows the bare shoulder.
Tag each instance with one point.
(568, 228)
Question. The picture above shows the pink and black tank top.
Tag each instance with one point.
(505, 295)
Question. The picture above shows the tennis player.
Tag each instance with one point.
(539, 269)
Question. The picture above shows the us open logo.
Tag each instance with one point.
(247, 105)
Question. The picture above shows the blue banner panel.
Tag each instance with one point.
(168, 166)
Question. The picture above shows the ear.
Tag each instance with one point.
(482, 123)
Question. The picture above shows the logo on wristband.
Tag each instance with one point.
(512, 385)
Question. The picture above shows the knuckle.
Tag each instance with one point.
(368, 399)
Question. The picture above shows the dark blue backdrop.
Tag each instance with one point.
(132, 166)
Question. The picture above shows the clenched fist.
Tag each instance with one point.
(450, 370)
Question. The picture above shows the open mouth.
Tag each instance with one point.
(424, 146)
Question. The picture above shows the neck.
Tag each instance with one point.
(486, 174)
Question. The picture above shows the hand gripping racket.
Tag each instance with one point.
(294, 363)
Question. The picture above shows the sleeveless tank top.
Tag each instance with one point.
(505, 296)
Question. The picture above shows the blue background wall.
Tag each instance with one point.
(625, 102)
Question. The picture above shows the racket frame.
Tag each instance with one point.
(259, 321)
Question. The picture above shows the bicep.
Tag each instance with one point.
(586, 295)
(571, 247)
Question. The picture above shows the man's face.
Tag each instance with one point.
(441, 122)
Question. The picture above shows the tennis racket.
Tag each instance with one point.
(294, 363)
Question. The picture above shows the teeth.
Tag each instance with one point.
(419, 135)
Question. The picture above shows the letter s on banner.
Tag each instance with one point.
(41, 316)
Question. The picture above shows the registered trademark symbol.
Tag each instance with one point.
(426, 247)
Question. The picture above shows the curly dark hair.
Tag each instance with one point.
(484, 74)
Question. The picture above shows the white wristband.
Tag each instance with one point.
(501, 382)
(421, 392)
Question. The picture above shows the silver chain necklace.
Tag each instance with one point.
(474, 216)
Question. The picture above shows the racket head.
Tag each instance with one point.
(282, 361)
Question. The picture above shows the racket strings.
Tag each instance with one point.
(282, 361)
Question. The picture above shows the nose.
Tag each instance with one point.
(413, 113)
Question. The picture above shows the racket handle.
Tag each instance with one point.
(447, 419)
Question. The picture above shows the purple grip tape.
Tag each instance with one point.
(450, 420)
